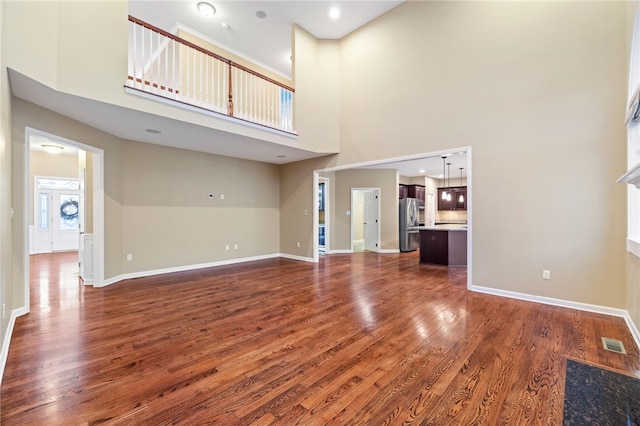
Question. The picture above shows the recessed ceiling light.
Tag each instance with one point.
(154, 131)
(206, 9)
(334, 13)
(281, 156)
(261, 14)
(422, 171)
(52, 149)
(225, 25)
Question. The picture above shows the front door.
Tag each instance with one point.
(56, 221)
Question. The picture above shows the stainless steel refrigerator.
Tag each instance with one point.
(409, 217)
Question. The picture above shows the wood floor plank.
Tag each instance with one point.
(355, 339)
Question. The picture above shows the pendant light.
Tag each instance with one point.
(448, 183)
(461, 198)
(444, 177)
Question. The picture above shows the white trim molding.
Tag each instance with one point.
(294, 257)
(598, 309)
(631, 177)
(633, 247)
(4, 354)
(185, 268)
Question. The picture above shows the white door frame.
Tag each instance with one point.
(327, 216)
(98, 205)
(377, 191)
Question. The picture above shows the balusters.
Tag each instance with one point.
(166, 65)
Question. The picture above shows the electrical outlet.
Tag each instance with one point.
(298, 243)
(129, 257)
(222, 196)
(227, 247)
(546, 274)
(235, 247)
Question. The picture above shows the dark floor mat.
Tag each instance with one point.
(594, 396)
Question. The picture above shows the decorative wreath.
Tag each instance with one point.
(69, 210)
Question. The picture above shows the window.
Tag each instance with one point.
(633, 149)
(44, 212)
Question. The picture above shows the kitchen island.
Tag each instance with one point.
(443, 245)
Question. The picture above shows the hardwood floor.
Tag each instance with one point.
(355, 339)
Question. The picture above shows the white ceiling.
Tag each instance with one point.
(432, 166)
(268, 40)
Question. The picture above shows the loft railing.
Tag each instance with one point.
(166, 65)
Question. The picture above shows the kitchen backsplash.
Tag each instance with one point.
(451, 216)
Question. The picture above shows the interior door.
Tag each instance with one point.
(371, 220)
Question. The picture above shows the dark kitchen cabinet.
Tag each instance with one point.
(417, 191)
(434, 247)
(403, 191)
(443, 247)
(455, 203)
(460, 198)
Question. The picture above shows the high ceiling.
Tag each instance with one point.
(266, 40)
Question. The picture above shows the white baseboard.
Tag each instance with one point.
(389, 251)
(4, 353)
(294, 257)
(347, 251)
(184, 268)
(598, 309)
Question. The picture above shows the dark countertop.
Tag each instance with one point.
(448, 227)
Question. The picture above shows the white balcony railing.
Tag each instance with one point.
(168, 66)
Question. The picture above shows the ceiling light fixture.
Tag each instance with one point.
(206, 9)
(225, 25)
(444, 174)
(421, 171)
(52, 149)
(461, 198)
(449, 170)
(334, 13)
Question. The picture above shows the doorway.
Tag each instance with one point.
(63, 202)
(428, 164)
(365, 219)
(323, 216)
